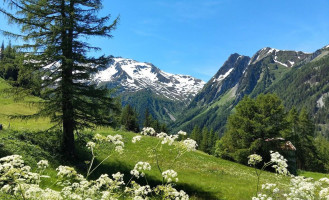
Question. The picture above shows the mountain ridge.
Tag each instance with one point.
(266, 71)
(132, 76)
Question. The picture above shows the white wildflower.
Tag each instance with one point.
(119, 149)
(90, 145)
(148, 131)
(66, 171)
(170, 175)
(281, 163)
(182, 133)
(254, 159)
(99, 138)
(162, 135)
(189, 144)
(139, 169)
(169, 139)
(136, 138)
(43, 164)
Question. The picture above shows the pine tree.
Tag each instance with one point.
(147, 118)
(1, 50)
(204, 139)
(129, 119)
(195, 135)
(292, 132)
(307, 157)
(9, 65)
(254, 120)
(55, 33)
(211, 141)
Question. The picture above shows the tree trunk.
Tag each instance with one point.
(67, 84)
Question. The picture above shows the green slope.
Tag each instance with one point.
(201, 175)
(9, 106)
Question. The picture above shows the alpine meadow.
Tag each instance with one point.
(83, 117)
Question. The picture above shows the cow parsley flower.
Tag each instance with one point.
(169, 139)
(99, 138)
(281, 163)
(66, 171)
(90, 145)
(162, 135)
(136, 138)
(170, 175)
(254, 159)
(148, 131)
(43, 164)
(190, 144)
(139, 169)
(182, 133)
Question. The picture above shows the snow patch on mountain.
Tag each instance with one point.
(223, 76)
(280, 63)
(133, 76)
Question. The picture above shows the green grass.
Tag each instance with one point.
(314, 175)
(9, 106)
(201, 175)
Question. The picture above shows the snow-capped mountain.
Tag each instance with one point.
(283, 57)
(299, 78)
(128, 75)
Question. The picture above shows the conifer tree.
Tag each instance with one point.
(196, 133)
(254, 120)
(55, 33)
(129, 119)
(8, 63)
(2, 49)
(211, 141)
(147, 118)
(204, 139)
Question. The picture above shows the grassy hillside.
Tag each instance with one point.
(201, 175)
(9, 106)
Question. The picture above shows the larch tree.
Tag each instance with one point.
(55, 34)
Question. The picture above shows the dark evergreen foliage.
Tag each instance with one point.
(129, 119)
(56, 49)
(259, 121)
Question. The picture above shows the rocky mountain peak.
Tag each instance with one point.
(131, 76)
(286, 58)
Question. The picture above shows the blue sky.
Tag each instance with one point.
(195, 37)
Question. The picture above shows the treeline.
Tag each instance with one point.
(9, 67)
(129, 120)
(205, 138)
(263, 124)
(12, 69)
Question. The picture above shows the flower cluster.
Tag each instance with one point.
(43, 164)
(189, 144)
(299, 188)
(281, 163)
(254, 159)
(170, 175)
(116, 140)
(182, 133)
(17, 179)
(169, 139)
(90, 145)
(140, 168)
(66, 172)
(136, 138)
(148, 131)
(76, 187)
(168, 192)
